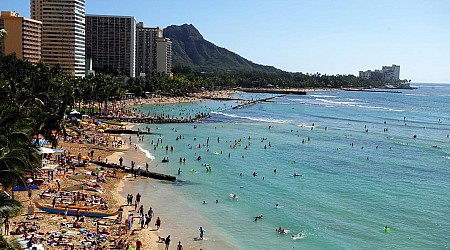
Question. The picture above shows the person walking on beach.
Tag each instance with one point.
(158, 223)
(141, 210)
(120, 213)
(147, 220)
(142, 221)
(138, 244)
(138, 198)
(179, 247)
(150, 214)
(167, 241)
(201, 232)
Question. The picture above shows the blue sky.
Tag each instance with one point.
(326, 36)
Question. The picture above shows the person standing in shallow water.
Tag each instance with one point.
(167, 241)
(158, 223)
(201, 232)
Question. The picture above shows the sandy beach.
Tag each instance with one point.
(43, 228)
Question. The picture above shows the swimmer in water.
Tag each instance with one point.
(298, 236)
(276, 206)
(297, 174)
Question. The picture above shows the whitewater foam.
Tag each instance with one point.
(253, 118)
(147, 153)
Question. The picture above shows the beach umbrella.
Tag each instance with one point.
(97, 123)
(101, 131)
(74, 133)
(42, 142)
(91, 124)
(85, 157)
(29, 181)
(74, 112)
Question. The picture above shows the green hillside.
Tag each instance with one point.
(189, 48)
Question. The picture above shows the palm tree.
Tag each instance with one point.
(17, 155)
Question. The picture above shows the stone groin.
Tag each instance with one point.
(249, 103)
(139, 172)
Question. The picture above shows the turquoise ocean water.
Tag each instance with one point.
(346, 195)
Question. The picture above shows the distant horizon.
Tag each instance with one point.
(329, 37)
(439, 83)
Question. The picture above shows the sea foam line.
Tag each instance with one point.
(335, 102)
(253, 118)
(147, 153)
(324, 96)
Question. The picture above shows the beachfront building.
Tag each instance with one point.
(63, 33)
(164, 55)
(371, 74)
(390, 74)
(153, 51)
(111, 44)
(146, 62)
(23, 36)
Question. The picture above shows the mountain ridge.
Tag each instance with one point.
(190, 49)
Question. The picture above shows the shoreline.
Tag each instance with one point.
(167, 203)
(148, 238)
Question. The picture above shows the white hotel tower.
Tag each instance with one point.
(63, 33)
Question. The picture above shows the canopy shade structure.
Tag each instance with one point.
(43, 150)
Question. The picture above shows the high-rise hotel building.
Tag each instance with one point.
(63, 33)
(111, 43)
(146, 48)
(153, 51)
(164, 55)
(23, 36)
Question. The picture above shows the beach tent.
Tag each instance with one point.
(74, 112)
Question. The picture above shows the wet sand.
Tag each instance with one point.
(178, 219)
